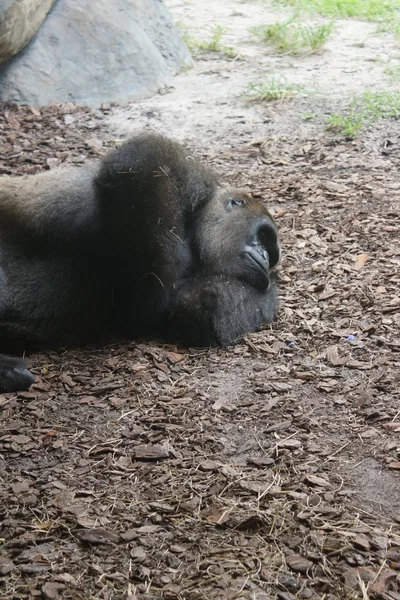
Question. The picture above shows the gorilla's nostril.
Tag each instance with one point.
(274, 255)
(264, 236)
(268, 238)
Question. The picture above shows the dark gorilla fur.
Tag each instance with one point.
(146, 242)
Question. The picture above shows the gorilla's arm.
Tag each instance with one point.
(151, 167)
(57, 206)
(143, 184)
(214, 311)
(152, 187)
(150, 192)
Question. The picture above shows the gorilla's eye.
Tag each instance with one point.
(234, 202)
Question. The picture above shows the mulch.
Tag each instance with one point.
(265, 470)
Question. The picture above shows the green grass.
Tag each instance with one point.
(393, 71)
(386, 12)
(291, 37)
(212, 44)
(307, 116)
(367, 109)
(382, 105)
(275, 88)
(347, 125)
(373, 10)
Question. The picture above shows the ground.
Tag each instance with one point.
(266, 470)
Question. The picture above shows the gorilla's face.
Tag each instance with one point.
(236, 236)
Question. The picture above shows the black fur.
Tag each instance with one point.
(14, 375)
(146, 242)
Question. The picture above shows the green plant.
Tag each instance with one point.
(212, 44)
(349, 125)
(295, 38)
(307, 116)
(314, 36)
(373, 10)
(275, 88)
(387, 12)
(393, 71)
(382, 105)
(367, 109)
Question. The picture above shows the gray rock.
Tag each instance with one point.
(19, 21)
(94, 52)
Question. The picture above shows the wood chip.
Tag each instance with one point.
(151, 452)
(360, 261)
(6, 565)
(318, 481)
(298, 563)
(98, 536)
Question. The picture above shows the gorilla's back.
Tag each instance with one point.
(59, 293)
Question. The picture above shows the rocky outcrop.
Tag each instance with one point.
(94, 52)
(19, 21)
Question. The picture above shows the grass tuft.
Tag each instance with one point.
(308, 116)
(393, 71)
(290, 37)
(212, 44)
(275, 88)
(367, 109)
(386, 12)
(382, 105)
(347, 125)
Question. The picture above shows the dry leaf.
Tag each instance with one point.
(360, 261)
(6, 566)
(21, 486)
(117, 402)
(216, 515)
(290, 443)
(18, 439)
(384, 578)
(315, 480)
(298, 563)
(259, 487)
(174, 357)
(98, 536)
(327, 294)
(150, 452)
(394, 465)
(50, 590)
(362, 542)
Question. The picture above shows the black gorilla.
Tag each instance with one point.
(145, 242)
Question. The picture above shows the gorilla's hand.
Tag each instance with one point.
(217, 310)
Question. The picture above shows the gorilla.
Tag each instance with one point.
(145, 242)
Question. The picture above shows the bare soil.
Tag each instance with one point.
(266, 470)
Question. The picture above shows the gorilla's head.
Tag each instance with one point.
(236, 236)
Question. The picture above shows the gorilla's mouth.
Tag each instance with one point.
(258, 260)
(257, 270)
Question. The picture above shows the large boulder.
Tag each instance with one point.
(19, 21)
(91, 52)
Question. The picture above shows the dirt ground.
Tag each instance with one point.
(266, 470)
